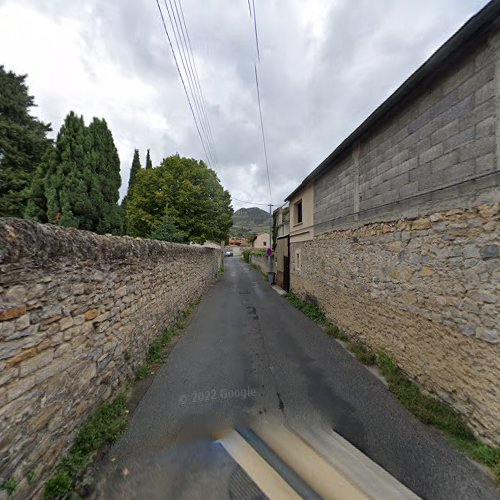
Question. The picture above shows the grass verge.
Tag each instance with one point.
(156, 352)
(310, 310)
(426, 408)
(100, 430)
(220, 272)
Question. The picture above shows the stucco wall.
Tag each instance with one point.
(260, 240)
(302, 231)
(261, 262)
(77, 312)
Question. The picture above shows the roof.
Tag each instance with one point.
(467, 34)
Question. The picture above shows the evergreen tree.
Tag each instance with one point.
(149, 164)
(105, 179)
(23, 142)
(134, 169)
(78, 181)
(58, 194)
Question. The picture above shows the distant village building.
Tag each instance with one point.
(396, 234)
(261, 241)
(239, 242)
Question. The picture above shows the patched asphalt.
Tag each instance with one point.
(247, 353)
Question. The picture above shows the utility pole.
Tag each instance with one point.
(270, 257)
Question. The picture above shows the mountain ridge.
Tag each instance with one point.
(249, 221)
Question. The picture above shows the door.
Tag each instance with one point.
(286, 273)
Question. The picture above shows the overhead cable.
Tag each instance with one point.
(175, 22)
(182, 78)
(259, 100)
(197, 82)
(184, 53)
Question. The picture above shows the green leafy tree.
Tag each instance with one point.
(168, 231)
(78, 180)
(149, 164)
(23, 142)
(188, 193)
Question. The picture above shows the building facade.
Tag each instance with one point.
(261, 241)
(281, 219)
(396, 234)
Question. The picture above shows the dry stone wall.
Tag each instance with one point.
(426, 290)
(77, 312)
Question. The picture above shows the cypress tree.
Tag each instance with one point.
(66, 177)
(149, 164)
(134, 170)
(77, 184)
(23, 142)
(106, 180)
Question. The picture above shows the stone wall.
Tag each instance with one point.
(406, 232)
(261, 262)
(77, 312)
(427, 291)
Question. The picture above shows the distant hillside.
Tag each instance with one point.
(247, 221)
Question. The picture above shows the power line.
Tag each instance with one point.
(197, 82)
(180, 75)
(255, 29)
(254, 203)
(185, 65)
(183, 49)
(258, 96)
(263, 134)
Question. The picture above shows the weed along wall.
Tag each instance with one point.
(77, 312)
(424, 290)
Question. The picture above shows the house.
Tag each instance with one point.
(238, 242)
(281, 218)
(396, 234)
(261, 241)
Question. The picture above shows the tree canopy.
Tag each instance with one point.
(77, 184)
(23, 142)
(182, 195)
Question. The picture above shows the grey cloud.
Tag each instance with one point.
(315, 89)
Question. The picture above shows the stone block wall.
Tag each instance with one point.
(427, 291)
(405, 253)
(77, 312)
(439, 143)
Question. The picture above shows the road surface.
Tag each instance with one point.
(248, 355)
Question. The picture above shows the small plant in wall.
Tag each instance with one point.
(31, 476)
(10, 485)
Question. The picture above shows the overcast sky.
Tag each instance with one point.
(325, 66)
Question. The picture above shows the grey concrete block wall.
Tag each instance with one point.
(443, 135)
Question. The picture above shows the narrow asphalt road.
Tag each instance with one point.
(247, 353)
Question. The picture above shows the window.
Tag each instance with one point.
(298, 212)
(265, 243)
(297, 260)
